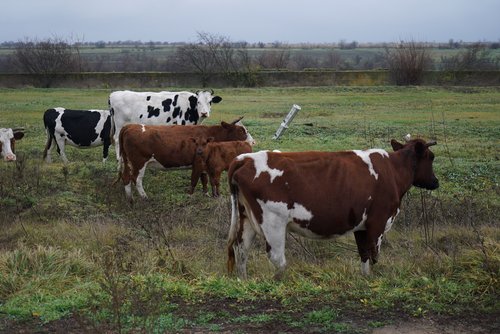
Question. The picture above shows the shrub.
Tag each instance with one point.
(407, 62)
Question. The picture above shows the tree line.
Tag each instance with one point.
(237, 61)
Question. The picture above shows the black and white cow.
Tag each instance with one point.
(8, 139)
(80, 128)
(160, 108)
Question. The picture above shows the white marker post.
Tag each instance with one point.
(288, 119)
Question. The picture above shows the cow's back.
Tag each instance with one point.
(221, 154)
(333, 186)
(168, 145)
(152, 108)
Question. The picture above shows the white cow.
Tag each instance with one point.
(167, 108)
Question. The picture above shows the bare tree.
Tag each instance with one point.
(303, 61)
(275, 59)
(407, 62)
(47, 58)
(214, 54)
(334, 60)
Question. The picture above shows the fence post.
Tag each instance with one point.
(288, 119)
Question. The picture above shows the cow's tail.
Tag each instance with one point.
(233, 230)
(113, 125)
(123, 157)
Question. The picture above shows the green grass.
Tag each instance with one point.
(72, 244)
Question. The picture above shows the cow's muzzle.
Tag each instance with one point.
(10, 157)
(432, 185)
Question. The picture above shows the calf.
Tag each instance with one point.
(167, 147)
(8, 139)
(80, 128)
(213, 158)
(321, 195)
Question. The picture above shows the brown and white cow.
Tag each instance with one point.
(321, 195)
(213, 158)
(167, 147)
(8, 139)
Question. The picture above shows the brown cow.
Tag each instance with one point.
(213, 158)
(167, 146)
(8, 139)
(321, 195)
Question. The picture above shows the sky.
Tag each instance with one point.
(287, 21)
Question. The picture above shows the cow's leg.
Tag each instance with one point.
(105, 151)
(242, 248)
(117, 145)
(363, 250)
(379, 234)
(48, 148)
(204, 182)
(196, 173)
(61, 142)
(368, 243)
(126, 176)
(215, 183)
(138, 181)
(274, 229)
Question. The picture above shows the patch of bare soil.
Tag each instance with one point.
(283, 320)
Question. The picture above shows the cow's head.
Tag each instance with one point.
(423, 173)
(8, 138)
(237, 131)
(201, 145)
(204, 102)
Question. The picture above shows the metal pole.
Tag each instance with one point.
(288, 119)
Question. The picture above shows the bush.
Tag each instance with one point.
(407, 63)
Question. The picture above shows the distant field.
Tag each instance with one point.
(72, 248)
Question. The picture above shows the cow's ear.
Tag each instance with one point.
(396, 145)
(210, 139)
(225, 125)
(216, 99)
(18, 135)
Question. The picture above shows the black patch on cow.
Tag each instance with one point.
(153, 112)
(80, 125)
(168, 120)
(192, 111)
(166, 104)
(176, 112)
(148, 98)
(174, 123)
(49, 120)
(175, 100)
(140, 116)
(183, 122)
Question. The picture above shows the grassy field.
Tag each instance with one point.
(73, 249)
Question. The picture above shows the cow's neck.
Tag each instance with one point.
(403, 162)
(216, 131)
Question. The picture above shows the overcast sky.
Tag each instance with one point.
(289, 21)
